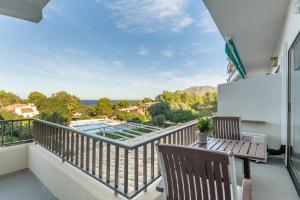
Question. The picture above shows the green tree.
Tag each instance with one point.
(55, 117)
(104, 107)
(180, 116)
(147, 100)
(88, 110)
(159, 120)
(54, 110)
(160, 108)
(122, 104)
(5, 114)
(36, 97)
(72, 102)
(8, 98)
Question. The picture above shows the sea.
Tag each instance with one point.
(93, 102)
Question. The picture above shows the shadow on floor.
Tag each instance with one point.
(270, 181)
(23, 185)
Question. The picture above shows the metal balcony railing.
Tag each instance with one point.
(15, 131)
(126, 167)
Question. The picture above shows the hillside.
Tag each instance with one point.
(199, 90)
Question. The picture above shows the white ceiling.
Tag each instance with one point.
(255, 26)
(30, 10)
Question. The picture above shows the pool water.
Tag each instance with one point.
(95, 128)
(113, 132)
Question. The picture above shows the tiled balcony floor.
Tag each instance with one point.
(23, 185)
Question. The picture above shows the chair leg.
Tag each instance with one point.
(246, 165)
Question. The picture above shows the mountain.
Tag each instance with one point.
(198, 90)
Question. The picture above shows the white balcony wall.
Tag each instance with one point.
(257, 98)
(13, 158)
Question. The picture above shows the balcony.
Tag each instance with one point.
(58, 162)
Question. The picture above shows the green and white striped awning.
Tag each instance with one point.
(233, 55)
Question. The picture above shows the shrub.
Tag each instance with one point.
(204, 125)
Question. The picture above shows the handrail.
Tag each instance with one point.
(163, 134)
(97, 137)
(160, 134)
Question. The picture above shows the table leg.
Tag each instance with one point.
(247, 172)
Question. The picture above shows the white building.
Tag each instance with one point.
(27, 111)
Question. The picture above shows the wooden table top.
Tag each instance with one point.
(241, 149)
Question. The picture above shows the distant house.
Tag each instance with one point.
(138, 109)
(26, 111)
(129, 109)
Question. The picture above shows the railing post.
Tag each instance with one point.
(136, 168)
(116, 167)
(87, 153)
(100, 159)
(145, 167)
(107, 163)
(126, 171)
(152, 160)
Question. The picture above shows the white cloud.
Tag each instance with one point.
(143, 52)
(206, 23)
(167, 53)
(189, 63)
(117, 63)
(169, 74)
(149, 16)
(197, 48)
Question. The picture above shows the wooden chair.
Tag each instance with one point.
(199, 174)
(227, 127)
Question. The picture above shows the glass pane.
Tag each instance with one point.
(295, 112)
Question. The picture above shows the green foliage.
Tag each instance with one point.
(55, 117)
(204, 125)
(36, 97)
(127, 116)
(147, 100)
(180, 116)
(104, 107)
(71, 101)
(54, 110)
(122, 104)
(159, 120)
(88, 111)
(187, 101)
(8, 98)
(160, 108)
(182, 107)
(5, 114)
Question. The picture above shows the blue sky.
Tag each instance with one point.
(121, 49)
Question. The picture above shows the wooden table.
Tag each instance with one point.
(241, 149)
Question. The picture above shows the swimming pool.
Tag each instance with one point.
(121, 132)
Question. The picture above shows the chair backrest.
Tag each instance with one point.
(227, 127)
(194, 173)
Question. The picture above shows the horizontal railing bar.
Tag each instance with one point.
(163, 134)
(160, 134)
(143, 125)
(104, 139)
(16, 120)
(127, 129)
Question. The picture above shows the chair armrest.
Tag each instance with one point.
(247, 189)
